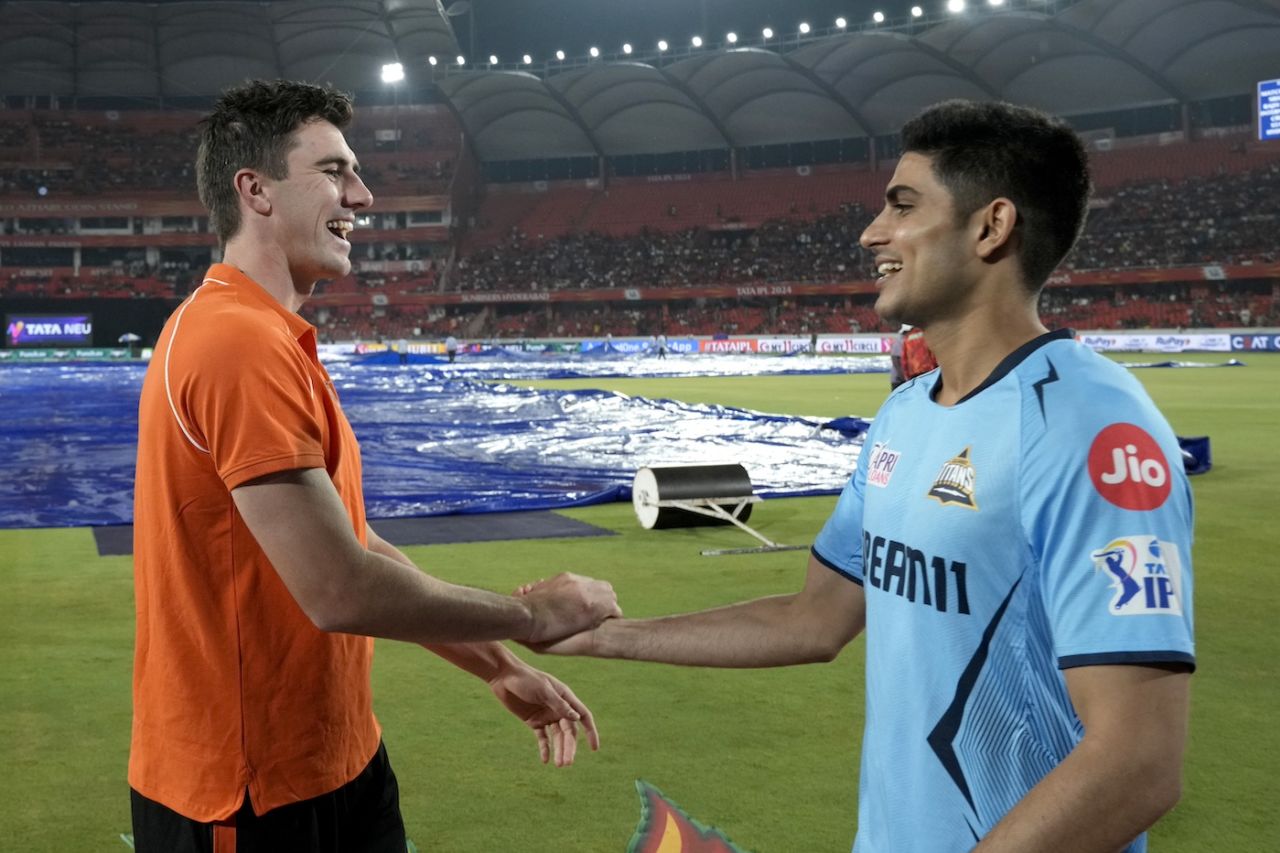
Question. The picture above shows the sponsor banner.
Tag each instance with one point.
(80, 354)
(531, 296)
(682, 345)
(34, 330)
(1255, 343)
(780, 345)
(728, 345)
(863, 345)
(765, 290)
(627, 346)
(1153, 342)
(36, 208)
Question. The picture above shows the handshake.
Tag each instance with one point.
(565, 611)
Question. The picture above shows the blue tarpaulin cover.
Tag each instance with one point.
(434, 438)
(438, 438)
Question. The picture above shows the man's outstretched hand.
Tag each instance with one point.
(567, 604)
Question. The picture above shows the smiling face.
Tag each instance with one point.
(923, 252)
(313, 210)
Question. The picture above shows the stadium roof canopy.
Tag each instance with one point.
(1094, 56)
(1091, 56)
(157, 51)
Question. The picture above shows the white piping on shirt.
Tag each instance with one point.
(168, 390)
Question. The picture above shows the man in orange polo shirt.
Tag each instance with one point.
(259, 583)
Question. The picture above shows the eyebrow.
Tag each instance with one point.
(340, 162)
(897, 190)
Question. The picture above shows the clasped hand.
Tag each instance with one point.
(567, 604)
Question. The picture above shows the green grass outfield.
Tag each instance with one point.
(770, 757)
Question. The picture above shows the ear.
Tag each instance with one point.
(252, 190)
(995, 224)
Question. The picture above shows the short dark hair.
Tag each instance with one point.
(984, 151)
(252, 127)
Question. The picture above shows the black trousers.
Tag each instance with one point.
(363, 816)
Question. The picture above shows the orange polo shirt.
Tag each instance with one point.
(233, 686)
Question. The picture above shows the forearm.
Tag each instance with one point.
(385, 598)
(761, 633)
(484, 660)
(1097, 800)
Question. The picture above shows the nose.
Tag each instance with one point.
(357, 195)
(874, 234)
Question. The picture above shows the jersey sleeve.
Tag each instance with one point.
(1107, 511)
(839, 543)
(251, 400)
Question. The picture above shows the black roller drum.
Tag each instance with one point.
(690, 483)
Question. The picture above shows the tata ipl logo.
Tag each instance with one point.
(1145, 574)
(15, 332)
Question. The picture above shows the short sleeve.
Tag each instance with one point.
(1107, 511)
(839, 543)
(251, 401)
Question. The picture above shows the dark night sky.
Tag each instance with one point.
(510, 28)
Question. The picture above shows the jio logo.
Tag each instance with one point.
(1128, 468)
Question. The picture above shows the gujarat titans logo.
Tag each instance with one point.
(1145, 574)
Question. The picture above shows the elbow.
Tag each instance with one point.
(1164, 791)
(825, 649)
(1153, 786)
(1160, 778)
(335, 609)
(332, 617)
(331, 622)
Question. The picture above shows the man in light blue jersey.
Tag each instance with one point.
(1015, 540)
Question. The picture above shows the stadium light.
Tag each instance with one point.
(560, 56)
(493, 60)
(956, 6)
(528, 60)
(995, 2)
(767, 32)
(878, 17)
(841, 22)
(626, 48)
(662, 45)
(432, 61)
(696, 41)
(462, 60)
(731, 38)
(916, 12)
(594, 51)
(804, 28)
(392, 72)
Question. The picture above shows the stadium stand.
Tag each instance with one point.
(761, 237)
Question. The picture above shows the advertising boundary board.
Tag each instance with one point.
(1220, 341)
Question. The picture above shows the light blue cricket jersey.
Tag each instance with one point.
(1042, 523)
